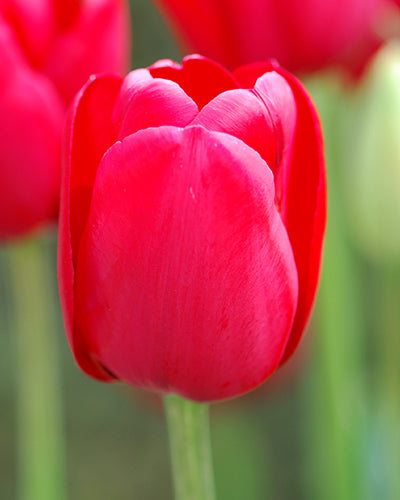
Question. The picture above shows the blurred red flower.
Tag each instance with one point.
(191, 225)
(302, 35)
(48, 49)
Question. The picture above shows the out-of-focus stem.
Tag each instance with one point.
(386, 406)
(336, 399)
(41, 450)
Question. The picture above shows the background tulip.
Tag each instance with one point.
(191, 225)
(47, 51)
(371, 159)
(304, 36)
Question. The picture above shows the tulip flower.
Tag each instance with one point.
(191, 224)
(304, 36)
(47, 51)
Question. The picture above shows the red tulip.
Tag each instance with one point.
(191, 224)
(303, 35)
(48, 48)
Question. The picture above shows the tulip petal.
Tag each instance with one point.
(248, 74)
(305, 210)
(150, 102)
(201, 78)
(306, 207)
(263, 117)
(90, 132)
(242, 114)
(278, 98)
(186, 280)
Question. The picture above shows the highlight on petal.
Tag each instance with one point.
(90, 132)
(277, 96)
(264, 117)
(145, 102)
(133, 78)
(201, 78)
(242, 114)
(186, 280)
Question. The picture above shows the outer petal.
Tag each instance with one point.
(186, 280)
(201, 78)
(90, 133)
(145, 102)
(305, 206)
(30, 162)
(98, 42)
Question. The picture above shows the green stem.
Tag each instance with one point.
(386, 397)
(339, 395)
(189, 437)
(40, 455)
(337, 402)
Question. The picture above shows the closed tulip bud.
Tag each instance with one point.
(191, 226)
(48, 49)
(372, 157)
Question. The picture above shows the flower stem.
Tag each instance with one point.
(386, 397)
(189, 437)
(336, 399)
(41, 466)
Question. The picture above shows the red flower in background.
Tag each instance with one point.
(191, 225)
(48, 49)
(303, 35)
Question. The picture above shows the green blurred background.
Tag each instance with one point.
(116, 436)
(324, 427)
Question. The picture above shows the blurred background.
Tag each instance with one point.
(326, 426)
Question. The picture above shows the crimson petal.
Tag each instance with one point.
(201, 78)
(90, 133)
(305, 206)
(186, 281)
